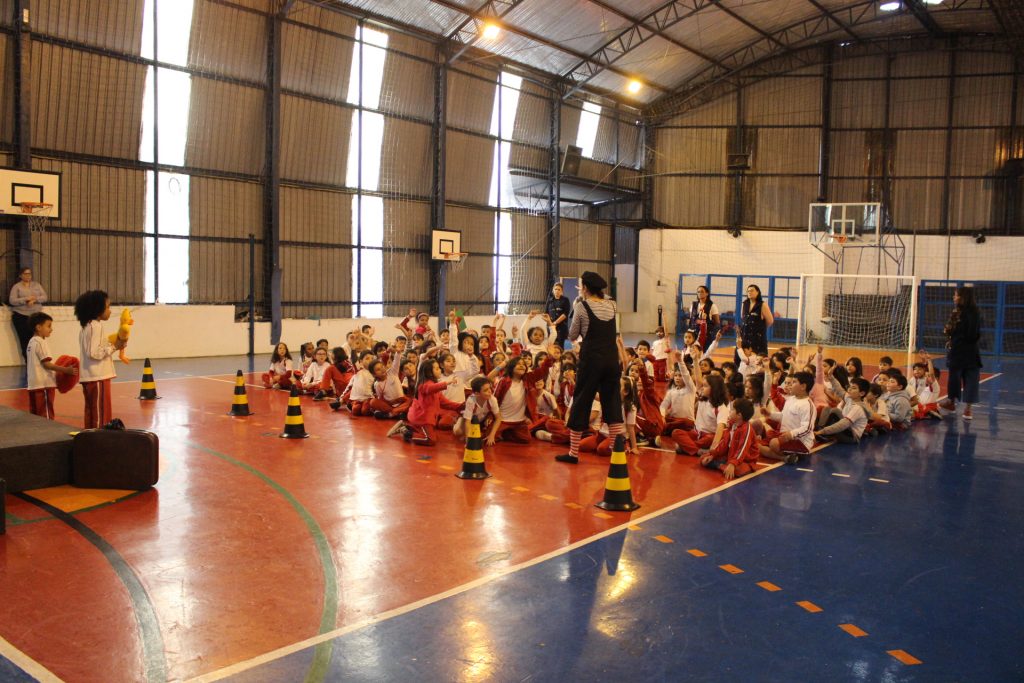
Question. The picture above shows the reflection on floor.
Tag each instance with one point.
(353, 557)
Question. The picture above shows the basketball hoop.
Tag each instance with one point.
(456, 260)
(841, 239)
(37, 213)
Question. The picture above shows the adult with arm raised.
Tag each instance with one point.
(755, 321)
(963, 357)
(27, 297)
(598, 370)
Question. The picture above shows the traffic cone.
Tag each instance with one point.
(294, 427)
(240, 404)
(148, 390)
(473, 455)
(617, 495)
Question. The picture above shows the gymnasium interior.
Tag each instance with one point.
(239, 173)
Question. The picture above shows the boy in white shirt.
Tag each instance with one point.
(42, 378)
(484, 406)
(659, 351)
(853, 418)
(796, 422)
(97, 364)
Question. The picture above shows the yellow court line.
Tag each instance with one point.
(273, 655)
(26, 663)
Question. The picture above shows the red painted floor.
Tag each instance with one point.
(251, 542)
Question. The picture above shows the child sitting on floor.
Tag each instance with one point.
(737, 455)
(848, 424)
(796, 421)
(484, 406)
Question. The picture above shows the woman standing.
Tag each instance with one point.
(557, 309)
(27, 297)
(963, 358)
(756, 320)
(598, 370)
(704, 316)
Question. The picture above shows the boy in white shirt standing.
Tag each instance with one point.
(42, 378)
(96, 357)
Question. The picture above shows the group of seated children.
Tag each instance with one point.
(521, 389)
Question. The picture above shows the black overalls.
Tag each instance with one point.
(598, 371)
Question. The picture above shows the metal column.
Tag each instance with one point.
(22, 119)
(272, 196)
(438, 271)
(554, 189)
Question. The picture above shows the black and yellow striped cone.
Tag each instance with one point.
(240, 404)
(617, 495)
(473, 456)
(148, 390)
(294, 427)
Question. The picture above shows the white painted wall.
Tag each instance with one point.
(665, 253)
(194, 331)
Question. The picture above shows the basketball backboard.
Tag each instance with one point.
(445, 242)
(18, 185)
(844, 223)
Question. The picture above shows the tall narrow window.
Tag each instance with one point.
(586, 136)
(165, 111)
(502, 194)
(366, 142)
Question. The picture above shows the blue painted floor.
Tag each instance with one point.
(917, 552)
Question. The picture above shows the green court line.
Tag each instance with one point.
(322, 656)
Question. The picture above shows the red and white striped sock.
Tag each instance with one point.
(616, 429)
(574, 442)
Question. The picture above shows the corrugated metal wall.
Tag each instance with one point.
(88, 82)
(904, 99)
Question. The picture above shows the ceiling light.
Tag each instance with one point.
(491, 31)
(890, 6)
(634, 86)
(933, 2)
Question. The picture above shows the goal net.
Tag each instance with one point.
(872, 315)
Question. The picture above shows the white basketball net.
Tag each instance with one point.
(37, 215)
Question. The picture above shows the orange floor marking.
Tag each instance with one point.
(446, 467)
(574, 506)
(853, 630)
(634, 527)
(603, 515)
(663, 539)
(548, 496)
(809, 606)
(521, 489)
(497, 481)
(904, 657)
(732, 569)
(697, 553)
(768, 586)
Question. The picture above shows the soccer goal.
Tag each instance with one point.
(871, 315)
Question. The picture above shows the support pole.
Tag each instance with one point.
(554, 189)
(272, 197)
(252, 295)
(22, 115)
(438, 270)
(947, 225)
(825, 147)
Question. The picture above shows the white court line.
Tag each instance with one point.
(804, 469)
(213, 378)
(837, 474)
(398, 611)
(880, 481)
(26, 663)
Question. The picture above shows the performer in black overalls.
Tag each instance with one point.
(598, 371)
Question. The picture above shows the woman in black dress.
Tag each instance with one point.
(704, 316)
(756, 320)
(963, 358)
(598, 371)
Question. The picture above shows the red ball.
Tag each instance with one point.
(66, 383)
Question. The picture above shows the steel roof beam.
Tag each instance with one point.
(469, 30)
(924, 18)
(604, 58)
(824, 10)
(540, 40)
(797, 35)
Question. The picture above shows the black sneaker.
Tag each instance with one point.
(319, 396)
(565, 457)
(791, 459)
(381, 415)
(335, 405)
(407, 435)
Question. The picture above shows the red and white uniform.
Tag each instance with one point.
(42, 383)
(95, 373)
(797, 418)
(740, 449)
